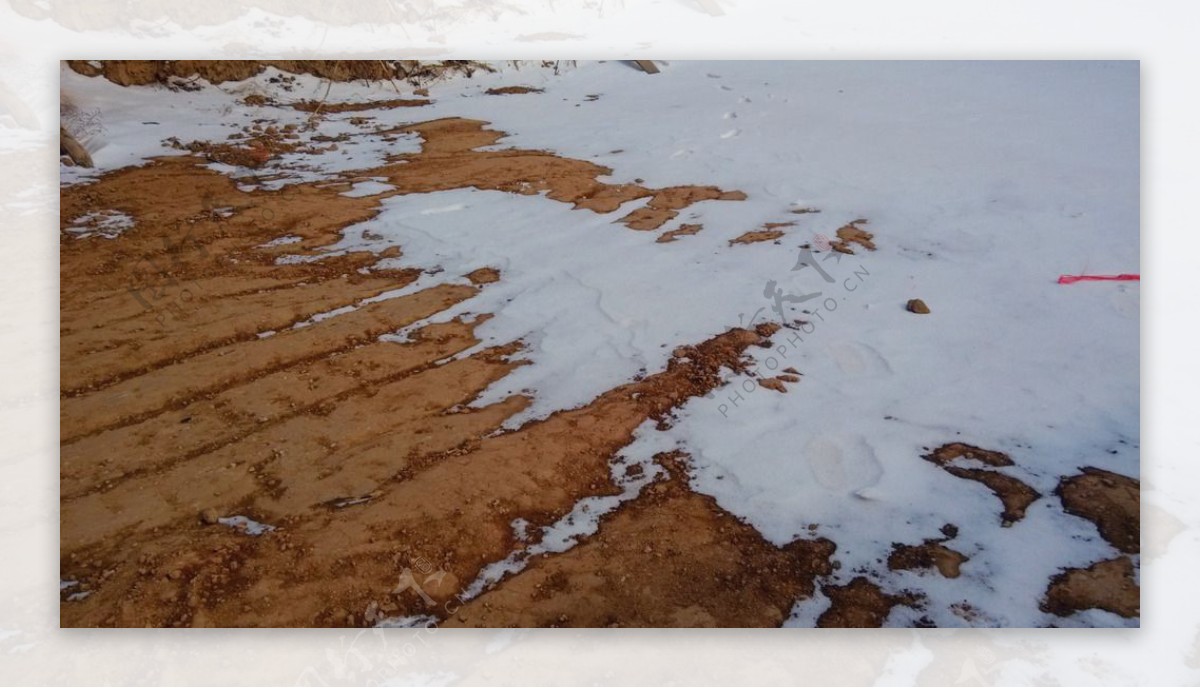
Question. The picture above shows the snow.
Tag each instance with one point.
(282, 241)
(370, 187)
(566, 532)
(107, 224)
(982, 183)
(246, 525)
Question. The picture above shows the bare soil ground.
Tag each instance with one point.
(188, 395)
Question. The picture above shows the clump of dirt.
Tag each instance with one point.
(512, 90)
(1109, 500)
(776, 383)
(916, 306)
(484, 276)
(770, 232)
(1014, 494)
(860, 604)
(852, 234)
(931, 554)
(665, 204)
(1107, 585)
(672, 235)
(947, 453)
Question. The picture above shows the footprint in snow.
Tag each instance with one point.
(842, 463)
(859, 360)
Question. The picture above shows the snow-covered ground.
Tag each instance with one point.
(982, 183)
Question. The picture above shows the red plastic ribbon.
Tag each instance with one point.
(1072, 279)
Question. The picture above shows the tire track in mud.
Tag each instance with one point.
(360, 452)
(204, 426)
(240, 319)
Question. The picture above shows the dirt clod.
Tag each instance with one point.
(916, 306)
(1109, 500)
(1107, 585)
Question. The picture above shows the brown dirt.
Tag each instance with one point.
(917, 306)
(684, 230)
(1107, 585)
(665, 204)
(670, 558)
(756, 236)
(512, 90)
(859, 604)
(770, 232)
(931, 554)
(1109, 500)
(775, 383)
(360, 452)
(1015, 495)
(947, 453)
(852, 234)
(448, 160)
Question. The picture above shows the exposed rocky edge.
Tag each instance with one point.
(669, 558)
(1015, 495)
(1107, 585)
(931, 554)
(1107, 499)
(860, 604)
(142, 72)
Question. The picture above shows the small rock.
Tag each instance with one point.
(917, 306)
(209, 517)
